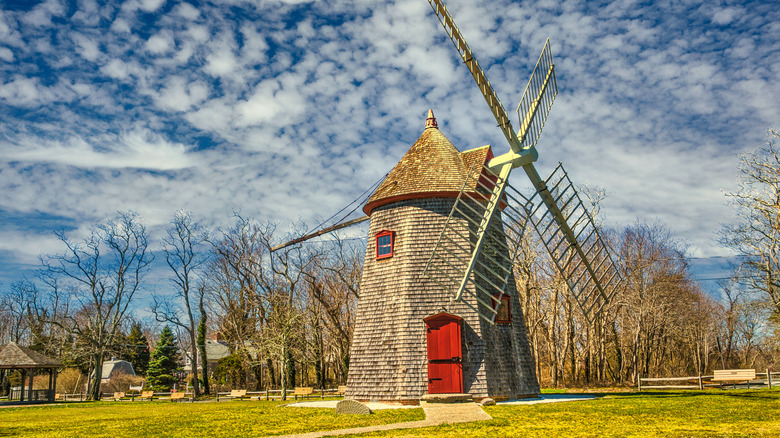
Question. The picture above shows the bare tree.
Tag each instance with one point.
(235, 282)
(15, 312)
(332, 286)
(757, 235)
(184, 248)
(92, 284)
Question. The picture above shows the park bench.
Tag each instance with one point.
(118, 396)
(341, 390)
(147, 394)
(734, 376)
(179, 396)
(303, 391)
(237, 393)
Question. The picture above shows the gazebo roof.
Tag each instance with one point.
(13, 356)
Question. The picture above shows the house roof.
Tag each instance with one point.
(215, 351)
(116, 367)
(13, 355)
(433, 167)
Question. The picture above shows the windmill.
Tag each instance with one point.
(439, 311)
(555, 210)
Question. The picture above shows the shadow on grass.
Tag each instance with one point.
(757, 394)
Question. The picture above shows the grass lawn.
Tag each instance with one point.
(727, 413)
(709, 413)
(164, 419)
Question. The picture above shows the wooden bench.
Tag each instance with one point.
(118, 396)
(341, 390)
(179, 396)
(303, 391)
(237, 393)
(734, 376)
(147, 394)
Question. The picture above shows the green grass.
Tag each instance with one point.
(554, 390)
(709, 413)
(163, 419)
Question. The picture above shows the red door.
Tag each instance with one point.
(445, 370)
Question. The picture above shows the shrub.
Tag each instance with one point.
(70, 380)
(121, 382)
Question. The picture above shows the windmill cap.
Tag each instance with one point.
(432, 168)
(430, 122)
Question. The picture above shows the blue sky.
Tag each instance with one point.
(287, 110)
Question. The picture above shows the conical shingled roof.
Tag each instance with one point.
(433, 167)
(16, 356)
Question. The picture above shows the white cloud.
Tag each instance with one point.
(135, 149)
(150, 5)
(42, 14)
(22, 91)
(26, 248)
(87, 47)
(277, 102)
(221, 61)
(6, 54)
(120, 25)
(198, 33)
(118, 69)
(178, 95)
(726, 15)
(186, 10)
(160, 43)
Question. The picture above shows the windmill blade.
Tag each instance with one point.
(591, 275)
(477, 73)
(574, 243)
(596, 277)
(486, 213)
(539, 94)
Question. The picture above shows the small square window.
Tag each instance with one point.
(504, 315)
(384, 244)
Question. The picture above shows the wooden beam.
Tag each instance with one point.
(320, 232)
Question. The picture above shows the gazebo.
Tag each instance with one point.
(16, 357)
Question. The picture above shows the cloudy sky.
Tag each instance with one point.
(289, 109)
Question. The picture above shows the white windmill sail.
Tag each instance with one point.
(487, 271)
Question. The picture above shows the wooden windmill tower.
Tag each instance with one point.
(410, 336)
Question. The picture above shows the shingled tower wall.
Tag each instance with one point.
(388, 359)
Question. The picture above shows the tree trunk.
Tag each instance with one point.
(283, 373)
(271, 373)
(94, 392)
(290, 368)
(618, 354)
(194, 352)
(202, 350)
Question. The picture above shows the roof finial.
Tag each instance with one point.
(430, 122)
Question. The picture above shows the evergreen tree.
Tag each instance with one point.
(136, 349)
(163, 363)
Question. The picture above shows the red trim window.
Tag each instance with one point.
(504, 315)
(385, 240)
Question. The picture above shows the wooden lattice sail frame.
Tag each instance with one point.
(581, 256)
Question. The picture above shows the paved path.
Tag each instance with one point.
(435, 414)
